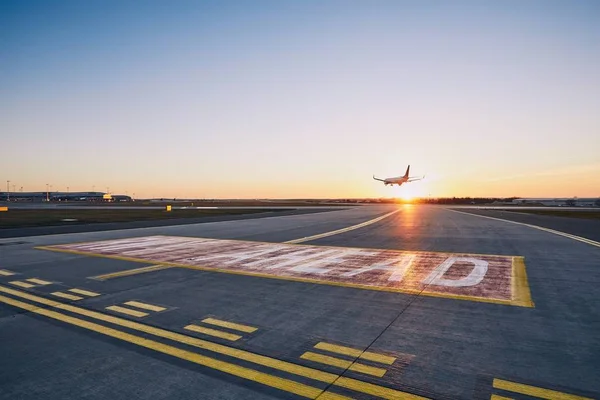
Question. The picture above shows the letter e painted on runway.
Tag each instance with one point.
(436, 277)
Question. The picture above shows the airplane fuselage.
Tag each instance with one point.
(395, 181)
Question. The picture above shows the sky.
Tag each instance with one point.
(301, 99)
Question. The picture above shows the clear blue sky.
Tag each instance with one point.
(301, 98)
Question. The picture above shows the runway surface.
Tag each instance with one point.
(394, 302)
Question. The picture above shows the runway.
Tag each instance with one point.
(393, 302)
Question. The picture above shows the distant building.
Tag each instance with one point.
(62, 196)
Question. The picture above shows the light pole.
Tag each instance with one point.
(47, 193)
(7, 190)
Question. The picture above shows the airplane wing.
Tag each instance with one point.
(416, 179)
(377, 179)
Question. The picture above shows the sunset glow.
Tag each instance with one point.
(496, 99)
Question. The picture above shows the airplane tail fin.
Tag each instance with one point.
(407, 172)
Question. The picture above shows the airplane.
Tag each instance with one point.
(399, 180)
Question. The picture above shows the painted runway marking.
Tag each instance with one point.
(221, 334)
(541, 228)
(5, 272)
(213, 332)
(22, 284)
(66, 296)
(356, 353)
(145, 306)
(84, 292)
(39, 282)
(533, 391)
(373, 390)
(130, 272)
(123, 310)
(343, 364)
(136, 304)
(476, 277)
(230, 325)
(343, 230)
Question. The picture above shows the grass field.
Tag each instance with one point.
(52, 217)
(563, 213)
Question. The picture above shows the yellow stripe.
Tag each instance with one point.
(213, 332)
(66, 296)
(375, 390)
(84, 292)
(535, 391)
(219, 348)
(5, 272)
(145, 306)
(228, 368)
(301, 279)
(231, 325)
(343, 230)
(496, 397)
(129, 272)
(367, 355)
(22, 284)
(559, 233)
(337, 362)
(127, 311)
(521, 295)
(38, 281)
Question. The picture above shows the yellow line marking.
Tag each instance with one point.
(145, 306)
(349, 351)
(559, 233)
(228, 368)
(304, 279)
(521, 295)
(375, 390)
(66, 296)
(22, 284)
(38, 281)
(130, 272)
(127, 311)
(84, 292)
(270, 362)
(496, 397)
(535, 391)
(5, 272)
(213, 332)
(338, 231)
(231, 325)
(337, 362)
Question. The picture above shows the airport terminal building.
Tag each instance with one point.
(62, 196)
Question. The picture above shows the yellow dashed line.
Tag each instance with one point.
(337, 362)
(535, 391)
(231, 325)
(213, 332)
(349, 351)
(84, 292)
(22, 284)
(127, 311)
(145, 306)
(296, 369)
(38, 281)
(496, 397)
(228, 368)
(66, 296)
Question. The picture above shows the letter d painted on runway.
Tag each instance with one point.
(436, 277)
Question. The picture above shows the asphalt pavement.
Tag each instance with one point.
(369, 302)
